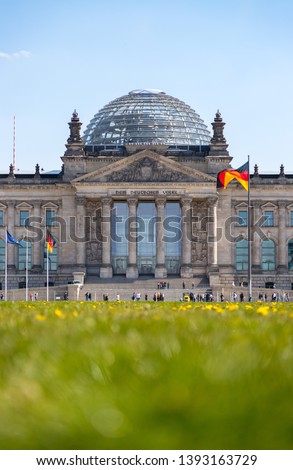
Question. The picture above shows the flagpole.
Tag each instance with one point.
(26, 267)
(249, 236)
(6, 267)
(47, 271)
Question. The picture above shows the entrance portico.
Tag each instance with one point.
(148, 236)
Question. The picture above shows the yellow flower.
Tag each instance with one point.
(40, 317)
(248, 307)
(208, 307)
(232, 307)
(264, 310)
(219, 309)
(58, 313)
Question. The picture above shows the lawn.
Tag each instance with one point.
(145, 375)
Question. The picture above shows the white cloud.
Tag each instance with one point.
(15, 55)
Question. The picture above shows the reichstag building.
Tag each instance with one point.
(136, 196)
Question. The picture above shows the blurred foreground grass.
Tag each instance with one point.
(143, 375)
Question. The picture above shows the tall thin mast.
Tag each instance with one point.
(14, 144)
(249, 236)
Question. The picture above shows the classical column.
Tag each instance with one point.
(11, 229)
(256, 240)
(132, 270)
(80, 229)
(186, 268)
(212, 235)
(38, 245)
(160, 271)
(282, 245)
(106, 270)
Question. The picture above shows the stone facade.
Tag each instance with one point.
(80, 198)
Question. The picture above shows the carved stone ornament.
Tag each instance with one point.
(147, 169)
(160, 201)
(199, 253)
(132, 201)
(185, 203)
(94, 253)
(106, 202)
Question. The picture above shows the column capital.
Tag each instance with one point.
(132, 201)
(212, 201)
(10, 203)
(256, 204)
(282, 204)
(80, 200)
(186, 202)
(160, 201)
(106, 201)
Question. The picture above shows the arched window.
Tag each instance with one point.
(53, 258)
(268, 255)
(290, 255)
(242, 255)
(25, 255)
(2, 255)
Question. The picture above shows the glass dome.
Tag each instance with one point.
(146, 117)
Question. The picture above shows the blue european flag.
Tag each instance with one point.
(10, 239)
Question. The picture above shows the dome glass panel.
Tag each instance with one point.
(146, 117)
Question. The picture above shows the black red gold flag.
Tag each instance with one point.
(241, 175)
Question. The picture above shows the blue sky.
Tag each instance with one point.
(58, 55)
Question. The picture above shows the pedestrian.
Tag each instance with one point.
(183, 285)
(90, 296)
(86, 296)
(234, 297)
(222, 298)
(241, 297)
(146, 297)
(117, 297)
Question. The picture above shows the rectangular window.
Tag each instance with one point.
(269, 216)
(242, 255)
(243, 215)
(291, 219)
(24, 215)
(1, 218)
(50, 218)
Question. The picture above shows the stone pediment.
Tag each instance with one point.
(145, 166)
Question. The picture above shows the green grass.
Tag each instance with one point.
(143, 375)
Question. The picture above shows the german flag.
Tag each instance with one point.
(51, 242)
(241, 175)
